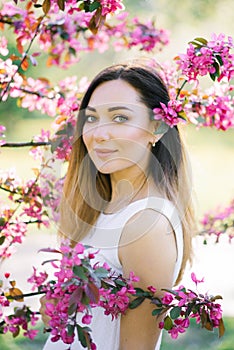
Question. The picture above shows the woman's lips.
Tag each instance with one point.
(104, 152)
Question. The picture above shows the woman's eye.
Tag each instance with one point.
(120, 118)
(90, 118)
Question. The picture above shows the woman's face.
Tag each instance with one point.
(118, 132)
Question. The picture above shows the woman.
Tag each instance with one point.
(127, 193)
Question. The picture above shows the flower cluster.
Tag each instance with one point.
(27, 197)
(80, 284)
(115, 300)
(171, 114)
(188, 305)
(211, 108)
(22, 317)
(208, 57)
(109, 6)
(219, 222)
(63, 35)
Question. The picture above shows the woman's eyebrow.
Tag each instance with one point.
(119, 107)
(91, 108)
(111, 109)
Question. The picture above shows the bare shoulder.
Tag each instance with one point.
(148, 247)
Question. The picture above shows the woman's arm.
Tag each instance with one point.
(148, 248)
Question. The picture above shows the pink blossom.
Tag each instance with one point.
(202, 59)
(170, 113)
(152, 289)
(37, 280)
(167, 298)
(109, 6)
(86, 319)
(195, 280)
(31, 333)
(133, 277)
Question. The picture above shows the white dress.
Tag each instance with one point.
(105, 236)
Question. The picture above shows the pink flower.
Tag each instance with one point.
(86, 319)
(195, 280)
(133, 277)
(167, 298)
(31, 333)
(37, 280)
(152, 289)
(109, 6)
(170, 114)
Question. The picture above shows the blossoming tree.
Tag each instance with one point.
(61, 30)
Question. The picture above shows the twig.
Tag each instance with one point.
(180, 89)
(26, 144)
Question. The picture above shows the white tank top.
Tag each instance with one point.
(105, 236)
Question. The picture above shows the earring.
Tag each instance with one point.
(153, 144)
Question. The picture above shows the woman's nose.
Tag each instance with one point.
(102, 132)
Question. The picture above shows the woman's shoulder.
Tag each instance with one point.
(144, 210)
(146, 222)
(148, 247)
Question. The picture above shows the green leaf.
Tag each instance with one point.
(2, 221)
(82, 6)
(101, 272)
(195, 44)
(72, 51)
(70, 329)
(85, 300)
(216, 74)
(71, 309)
(189, 309)
(182, 115)
(175, 312)
(120, 283)
(136, 302)
(64, 35)
(79, 272)
(139, 292)
(2, 239)
(94, 6)
(201, 40)
(219, 59)
(156, 312)
(168, 324)
(81, 336)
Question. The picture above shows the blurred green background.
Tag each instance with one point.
(211, 155)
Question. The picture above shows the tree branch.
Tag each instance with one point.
(36, 93)
(26, 144)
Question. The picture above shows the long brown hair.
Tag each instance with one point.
(87, 191)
